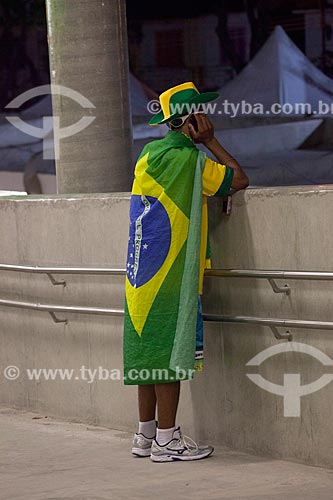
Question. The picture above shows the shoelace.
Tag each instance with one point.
(187, 442)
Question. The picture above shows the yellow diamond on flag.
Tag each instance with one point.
(140, 296)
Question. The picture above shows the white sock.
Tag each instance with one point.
(148, 429)
(163, 436)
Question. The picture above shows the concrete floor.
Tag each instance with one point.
(47, 459)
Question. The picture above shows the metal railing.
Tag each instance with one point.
(270, 275)
(267, 274)
(273, 323)
(53, 308)
(51, 270)
(221, 273)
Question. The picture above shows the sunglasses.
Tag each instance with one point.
(177, 122)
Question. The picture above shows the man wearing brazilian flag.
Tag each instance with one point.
(167, 255)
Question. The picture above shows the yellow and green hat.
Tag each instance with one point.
(179, 101)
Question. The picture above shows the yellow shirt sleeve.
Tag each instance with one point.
(216, 178)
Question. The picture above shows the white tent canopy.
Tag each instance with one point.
(280, 73)
(139, 97)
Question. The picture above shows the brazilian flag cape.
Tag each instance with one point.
(163, 260)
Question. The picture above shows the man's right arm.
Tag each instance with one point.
(240, 179)
(205, 135)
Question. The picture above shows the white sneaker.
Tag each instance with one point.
(141, 445)
(179, 448)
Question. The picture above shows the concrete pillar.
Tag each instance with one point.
(88, 54)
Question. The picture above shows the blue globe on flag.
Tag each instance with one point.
(149, 239)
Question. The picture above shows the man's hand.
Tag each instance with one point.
(205, 131)
(205, 135)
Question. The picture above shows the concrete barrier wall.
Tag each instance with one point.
(287, 229)
(284, 228)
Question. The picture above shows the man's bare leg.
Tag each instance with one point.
(169, 444)
(147, 402)
(167, 396)
(147, 421)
